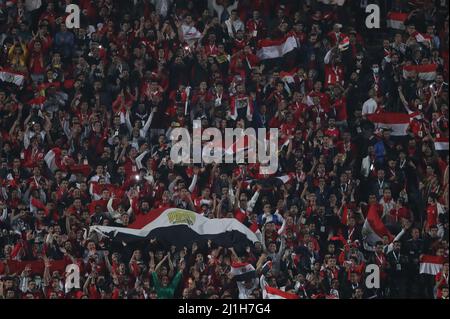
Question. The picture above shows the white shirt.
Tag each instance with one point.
(369, 107)
(190, 33)
(234, 26)
(244, 292)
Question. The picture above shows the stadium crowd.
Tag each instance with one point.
(100, 100)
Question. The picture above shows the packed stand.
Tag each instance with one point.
(101, 100)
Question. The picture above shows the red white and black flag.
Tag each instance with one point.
(398, 123)
(430, 264)
(243, 271)
(276, 48)
(179, 227)
(275, 293)
(12, 77)
(374, 229)
(396, 20)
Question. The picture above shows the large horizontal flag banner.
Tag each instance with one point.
(274, 293)
(398, 123)
(374, 229)
(426, 72)
(271, 49)
(179, 227)
(243, 271)
(396, 20)
(431, 265)
(12, 77)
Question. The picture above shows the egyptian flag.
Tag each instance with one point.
(441, 144)
(53, 159)
(288, 76)
(374, 229)
(243, 271)
(36, 204)
(238, 102)
(419, 36)
(277, 48)
(274, 293)
(96, 189)
(430, 264)
(426, 72)
(12, 77)
(190, 34)
(37, 102)
(266, 267)
(178, 227)
(398, 123)
(344, 43)
(396, 20)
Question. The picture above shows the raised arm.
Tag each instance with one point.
(128, 121)
(282, 246)
(194, 182)
(46, 272)
(161, 263)
(86, 284)
(263, 238)
(171, 266)
(402, 98)
(176, 280)
(140, 158)
(251, 204)
(231, 192)
(260, 262)
(148, 123)
(328, 56)
(234, 256)
(233, 6)
(216, 7)
(4, 210)
(151, 263)
(107, 262)
(397, 238)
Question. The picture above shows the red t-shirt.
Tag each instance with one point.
(333, 75)
(340, 107)
(432, 215)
